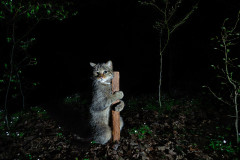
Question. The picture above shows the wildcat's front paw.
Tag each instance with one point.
(120, 106)
(119, 95)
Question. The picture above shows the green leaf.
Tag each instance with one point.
(5, 65)
(1, 15)
(213, 66)
(33, 39)
(28, 15)
(32, 11)
(75, 13)
(37, 8)
(9, 39)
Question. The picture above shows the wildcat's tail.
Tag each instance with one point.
(81, 139)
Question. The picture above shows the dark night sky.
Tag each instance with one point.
(122, 31)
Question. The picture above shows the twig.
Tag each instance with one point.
(20, 87)
(184, 19)
(219, 98)
(11, 73)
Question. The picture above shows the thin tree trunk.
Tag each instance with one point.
(236, 112)
(160, 83)
(10, 76)
(160, 70)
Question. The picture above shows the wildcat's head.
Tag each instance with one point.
(103, 72)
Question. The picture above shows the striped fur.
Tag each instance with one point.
(102, 100)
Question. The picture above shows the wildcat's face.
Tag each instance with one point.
(103, 72)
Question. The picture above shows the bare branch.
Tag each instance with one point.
(219, 98)
(182, 21)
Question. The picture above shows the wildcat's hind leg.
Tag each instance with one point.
(121, 123)
(103, 134)
(119, 108)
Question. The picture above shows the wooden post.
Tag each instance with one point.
(115, 114)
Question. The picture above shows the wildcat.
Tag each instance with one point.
(102, 100)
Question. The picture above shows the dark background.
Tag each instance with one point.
(121, 31)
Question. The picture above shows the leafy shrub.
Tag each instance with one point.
(141, 131)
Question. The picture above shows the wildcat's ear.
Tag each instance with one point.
(92, 64)
(109, 64)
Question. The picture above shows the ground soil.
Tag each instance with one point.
(181, 131)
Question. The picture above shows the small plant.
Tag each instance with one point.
(228, 69)
(141, 131)
(13, 120)
(142, 103)
(40, 112)
(150, 103)
(59, 134)
(168, 103)
(221, 144)
(29, 156)
(75, 99)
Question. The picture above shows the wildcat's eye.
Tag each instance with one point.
(105, 72)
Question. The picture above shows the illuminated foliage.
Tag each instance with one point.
(228, 69)
(18, 19)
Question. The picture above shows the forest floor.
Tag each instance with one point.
(181, 129)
